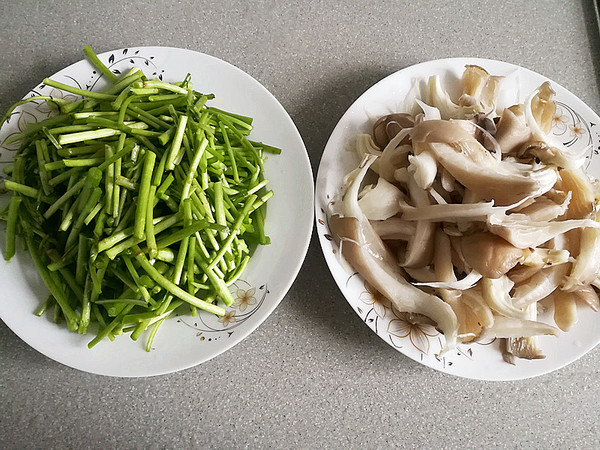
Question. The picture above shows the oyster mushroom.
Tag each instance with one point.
(496, 292)
(512, 132)
(488, 254)
(565, 309)
(582, 192)
(474, 81)
(480, 89)
(394, 228)
(524, 347)
(543, 107)
(386, 127)
(486, 217)
(420, 247)
(365, 252)
(510, 327)
(587, 264)
(539, 110)
(474, 167)
(589, 296)
(382, 201)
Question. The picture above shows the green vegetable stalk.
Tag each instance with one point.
(136, 203)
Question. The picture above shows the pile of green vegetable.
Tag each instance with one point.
(136, 202)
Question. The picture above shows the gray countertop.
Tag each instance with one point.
(312, 374)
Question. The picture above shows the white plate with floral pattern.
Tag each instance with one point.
(184, 341)
(575, 124)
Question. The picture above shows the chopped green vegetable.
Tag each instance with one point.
(135, 203)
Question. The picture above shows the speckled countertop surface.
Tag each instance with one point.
(312, 375)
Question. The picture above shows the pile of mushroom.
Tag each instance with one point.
(476, 218)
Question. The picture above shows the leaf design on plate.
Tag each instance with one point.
(379, 309)
(328, 237)
(132, 61)
(24, 119)
(111, 58)
(124, 51)
(44, 108)
(399, 328)
(14, 146)
(419, 340)
(160, 77)
(117, 71)
(147, 63)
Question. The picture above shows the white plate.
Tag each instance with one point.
(185, 341)
(575, 124)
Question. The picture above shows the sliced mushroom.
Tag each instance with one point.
(524, 347)
(543, 208)
(587, 264)
(541, 151)
(388, 279)
(392, 159)
(589, 296)
(474, 300)
(474, 80)
(496, 293)
(524, 233)
(389, 126)
(421, 274)
(444, 273)
(420, 248)
(366, 146)
(543, 107)
(488, 254)
(474, 167)
(394, 228)
(423, 167)
(540, 285)
(512, 132)
(382, 201)
(509, 327)
(565, 309)
(583, 193)
(520, 273)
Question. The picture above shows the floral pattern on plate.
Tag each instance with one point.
(244, 306)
